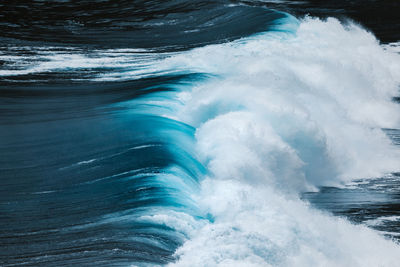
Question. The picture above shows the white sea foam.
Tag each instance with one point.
(325, 93)
(130, 63)
(255, 226)
(287, 113)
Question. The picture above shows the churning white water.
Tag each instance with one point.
(282, 113)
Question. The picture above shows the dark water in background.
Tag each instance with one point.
(76, 172)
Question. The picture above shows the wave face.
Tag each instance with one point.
(304, 113)
(175, 134)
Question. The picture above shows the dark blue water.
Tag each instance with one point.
(87, 147)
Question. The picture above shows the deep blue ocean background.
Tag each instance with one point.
(98, 145)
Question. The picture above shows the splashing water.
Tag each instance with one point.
(285, 112)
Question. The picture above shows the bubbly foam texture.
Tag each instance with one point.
(285, 113)
(317, 99)
(258, 227)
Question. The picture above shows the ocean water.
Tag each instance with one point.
(199, 133)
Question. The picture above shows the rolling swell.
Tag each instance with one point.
(83, 179)
(135, 24)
